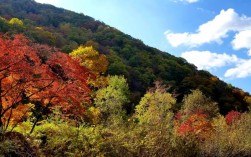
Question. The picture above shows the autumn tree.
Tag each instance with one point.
(196, 114)
(154, 116)
(229, 140)
(16, 25)
(16, 21)
(232, 116)
(25, 81)
(197, 102)
(95, 62)
(19, 66)
(155, 107)
(196, 124)
(71, 90)
(112, 99)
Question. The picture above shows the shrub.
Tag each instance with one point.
(229, 140)
(232, 116)
(197, 102)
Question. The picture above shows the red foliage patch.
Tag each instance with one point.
(232, 116)
(195, 124)
(27, 75)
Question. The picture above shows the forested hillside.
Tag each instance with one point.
(73, 86)
(140, 64)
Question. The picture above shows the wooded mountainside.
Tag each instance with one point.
(139, 63)
(74, 86)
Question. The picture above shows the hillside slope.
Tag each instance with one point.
(140, 64)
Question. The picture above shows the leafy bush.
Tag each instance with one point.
(15, 144)
(155, 107)
(232, 116)
(198, 102)
(112, 99)
(229, 140)
(6, 147)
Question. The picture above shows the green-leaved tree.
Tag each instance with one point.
(111, 99)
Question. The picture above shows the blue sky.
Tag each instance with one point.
(215, 35)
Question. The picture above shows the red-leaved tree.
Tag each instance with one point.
(27, 80)
(232, 116)
(196, 124)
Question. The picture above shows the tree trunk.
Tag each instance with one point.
(34, 124)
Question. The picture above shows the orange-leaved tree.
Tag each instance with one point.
(25, 80)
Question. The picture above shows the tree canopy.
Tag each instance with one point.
(25, 80)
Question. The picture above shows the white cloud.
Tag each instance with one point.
(208, 60)
(216, 31)
(212, 31)
(242, 70)
(177, 39)
(242, 40)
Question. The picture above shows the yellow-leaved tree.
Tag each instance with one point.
(155, 120)
(95, 62)
(16, 21)
(155, 107)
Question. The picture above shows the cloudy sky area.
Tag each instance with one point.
(211, 34)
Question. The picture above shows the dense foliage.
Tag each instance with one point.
(48, 107)
(161, 133)
(127, 56)
(97, 100)
(26, 82)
